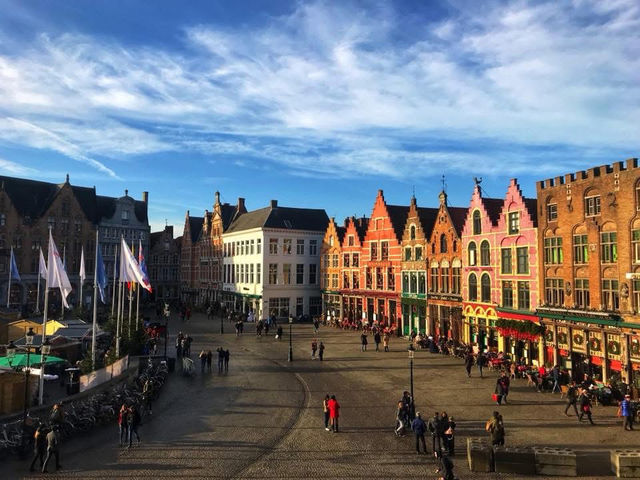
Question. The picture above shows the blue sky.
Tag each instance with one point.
(315, 104)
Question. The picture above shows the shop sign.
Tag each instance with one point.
(634, 347)
(563, 338)
(548, 336)
(563, 352)
(578, 340)
(614, 347)
(595, 344)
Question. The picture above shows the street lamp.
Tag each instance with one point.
(290, 358)
(412, 352)
(28, 339)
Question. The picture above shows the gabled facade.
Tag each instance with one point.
(331, 267)
(189, 261)
(163, 262)
(444, 292)
(351, 271)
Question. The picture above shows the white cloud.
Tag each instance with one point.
(8, 167)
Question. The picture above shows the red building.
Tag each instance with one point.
(355, 231)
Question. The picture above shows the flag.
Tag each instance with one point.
(14, 268)
(101, 278)
(129, 268)
(43, 266)
(143, 266)
(83, 274)
(56, 274)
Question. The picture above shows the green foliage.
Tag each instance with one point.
(521, 326)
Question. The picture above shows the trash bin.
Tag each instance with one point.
(73, 382)
(171, 364)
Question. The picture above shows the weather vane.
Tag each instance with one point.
(444, 184)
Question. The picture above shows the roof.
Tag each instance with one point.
(532, 208)
(282, 217)
(493, 206)
(361, 224)
(228, 214)
(195, 226)
(427, 218)
(458, 217)
(398, 215)
(341, 231)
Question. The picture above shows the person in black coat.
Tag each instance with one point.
(39, 447)
(468, 363)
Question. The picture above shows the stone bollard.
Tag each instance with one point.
(625, 463)
(556, 461)
(479, 455)
(520, 460)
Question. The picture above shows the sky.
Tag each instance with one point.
(316, 104)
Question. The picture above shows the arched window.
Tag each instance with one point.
(455, 246)
(413, 232)
(473, 287)
(477, 223)
(638, 196)
(473, 257)
(485, 285)
(485, 254)
(443, 243)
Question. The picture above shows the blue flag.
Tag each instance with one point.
(14, 268)
(101, 279)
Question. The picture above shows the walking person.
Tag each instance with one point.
(314, 348)
(334, 413)
(203, 360)
(627, 413)
(585, 406)
(555, 376)
(279, 333)
(147, 395)
(445, 467)
(435, 428)
(449, 437)
(376, 339)
(53, 448)
(227, 354)
(501, 390)
(325, 411)
(385, 341)
(495, 427)
(321, 351)
(209, 360)
(400, 419)
(572, 399)
(133, 422)
(122, 424)
(39, 447)
(481, 362)
(363, 342)
(468, 363)
(220, 351)
(419, 429)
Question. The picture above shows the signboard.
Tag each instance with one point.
(579, 340)
(614, 347)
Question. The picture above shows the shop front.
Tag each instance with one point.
(331, 304)
(521, 335)
(480, 326)
(414, 315)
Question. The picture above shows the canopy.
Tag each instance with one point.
(20, 360)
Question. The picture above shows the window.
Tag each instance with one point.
(312, 273)
(433, 280)
(455, 280)
(379, 279)
(367, 275)
(473, 287)
(355, 260)
(51, 221)
(334, 281)
(443, 243)
(506, 261)
(609, 247)
(241, 280)
(638, 197)
(524, 296)
(553, 250)
(418, 253)
(351, 241)
(522, 260)
(3, 219)
(422, 282)
(592, 206)
(252, 279)
(334, 260)
(507, 294)
(355, 280)
(273, 274)
(473, 258)
(325, 280)
(384, 250)
(286, 273)
(610, 294)
(413, 282)
(299, 273)
(485, 254)
(251, 245)
(273, 246)
(580, 249)
(552, 212)
(258, 267)
(259, 246)
(125, 216)
(635, 246)
(78, 226)
(485, 288)
(554, 291)
(345, 260)
(299, 247)
(582, 292)
(345, 280)
(313, 247)
(477, 223)
(373, 246)
(407, 254)
(444, 279)
(64, 225)
(286, 246)
(405, 282)
(331, 241)
(412, 234)
(514, 223)
(635, 293)
(391, 279)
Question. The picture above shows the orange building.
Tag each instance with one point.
(355, 231)
(330, 270)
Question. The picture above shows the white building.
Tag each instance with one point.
(272, 261)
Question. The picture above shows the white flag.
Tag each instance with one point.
(130, 270)
(43, 266)
(83, 275)
(56, 275)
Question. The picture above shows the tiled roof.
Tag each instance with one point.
(532, 207)
(493, 206)
(249, 220)
(428, 217)
(341, 231)
(361, 224)
(282, 217)
(195, 226)
(228, 215)
(458, 217)
(398, 215)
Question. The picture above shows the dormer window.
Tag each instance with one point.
(514, 223)
(125, 216)
(412, 234)
(477, 223)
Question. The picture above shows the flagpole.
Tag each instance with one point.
(38, 291)
(138, 308)
(95, 303)
(113, 293)
(81, 279)
(119, 309)
(44, 328)
(9, 287)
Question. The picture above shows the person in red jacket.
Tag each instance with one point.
(334, 413)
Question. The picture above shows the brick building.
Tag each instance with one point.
(589, 237)
(190, 259)
(351, 250)
(163, 264)
(332, 267)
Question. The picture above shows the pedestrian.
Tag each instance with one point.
(585, 406)
(385, 341)
(314, 348)
(220, 351)
(445, 467)
(316, 325)
(53, 448)
(147, 395)
(279, 333)
(122, 424)
(449, 437)
(495, 427)
(321, 351)
(325, 411)
(259, 327)
(408, 404)
(626, 412)
(363, 342)
(419, 429)
(435, 428)
(376, 339)
(468, 363)
(209, 312)
(226, 360)
(209, 360)
(334, 413)
(501, 390)
(179, 345)
(400, 419)
(188, 313)
(572, 399)
(39, 447)
(57, 415)
(203, 360)
(133, 421)
(237, 328)
(481, 362)
(555, 376)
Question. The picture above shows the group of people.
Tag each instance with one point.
(128, 422)
(379, 336)
(46, 443)
(183, 345)
(331, 411)
(578, 397)
(319, 348)
(206, 358)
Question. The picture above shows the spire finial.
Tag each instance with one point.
(67, 179)
(444, 184)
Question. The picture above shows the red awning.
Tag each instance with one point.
(563, 353)
(615, 365)
(596, 360)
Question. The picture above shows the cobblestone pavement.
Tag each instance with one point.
(263, 419)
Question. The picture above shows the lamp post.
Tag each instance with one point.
(412, 352)
(290, 358)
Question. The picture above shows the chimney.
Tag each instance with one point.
(145, 197)
(274, 203)
(241, 207)
(126, 192)
(217, 198)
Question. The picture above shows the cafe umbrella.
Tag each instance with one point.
(20, 360)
